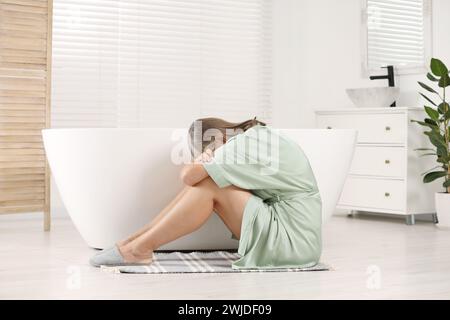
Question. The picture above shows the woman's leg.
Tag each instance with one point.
(155, 220)
(188, 214)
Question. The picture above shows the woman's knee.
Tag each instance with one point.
(232, 193)
(206, 185)
(232, 197)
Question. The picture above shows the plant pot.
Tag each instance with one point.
(443, 209)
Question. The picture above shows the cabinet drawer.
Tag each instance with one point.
(374, 193)
(379, 161)
(372, 128)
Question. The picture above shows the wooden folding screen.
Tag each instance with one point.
(25, 72)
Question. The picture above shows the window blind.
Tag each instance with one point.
(396, 33)
(159, 63)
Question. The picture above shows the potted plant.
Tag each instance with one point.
(438, 125)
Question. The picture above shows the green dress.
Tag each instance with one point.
(282, 220)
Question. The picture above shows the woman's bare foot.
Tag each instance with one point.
(131, 255)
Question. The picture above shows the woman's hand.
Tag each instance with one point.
(205, 156)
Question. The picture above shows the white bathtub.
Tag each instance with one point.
(113, 181)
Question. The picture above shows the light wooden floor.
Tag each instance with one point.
(373, 258)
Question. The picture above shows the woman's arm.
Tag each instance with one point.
(193, 173)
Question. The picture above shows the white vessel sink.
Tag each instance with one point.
(373, 97)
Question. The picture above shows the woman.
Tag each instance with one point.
(260, 184)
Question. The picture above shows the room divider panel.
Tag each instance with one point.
(25, 73)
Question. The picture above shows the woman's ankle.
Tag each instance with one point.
(141, 253)
(131, 255)
(125, 242)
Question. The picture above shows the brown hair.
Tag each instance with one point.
(225, 129)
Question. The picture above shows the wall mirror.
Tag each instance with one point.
(398, 33)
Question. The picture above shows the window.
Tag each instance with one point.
(159, 63)
(398, 33)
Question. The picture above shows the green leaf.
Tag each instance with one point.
(441, 152)
(437, 135)
(445, 158)
(443, 108)
(423, 85)
(433, 176)
(438, 68)
(446, 184)
(444, 82)
(438, 141)
(447, 115)
(428, 99)
(428, 154)
(424, 149)
(424, 124)
(432, 113)
(432, 122)
(430, 170)
(432, 78)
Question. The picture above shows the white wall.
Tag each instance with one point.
(317, 55)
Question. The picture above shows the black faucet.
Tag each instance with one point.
(389, 77)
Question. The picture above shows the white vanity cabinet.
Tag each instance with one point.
(386, 172)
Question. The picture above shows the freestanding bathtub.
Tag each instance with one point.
(113, 181)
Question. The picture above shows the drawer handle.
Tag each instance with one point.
(329, 128)
(387, 161)
(387, 194)
(388, 128)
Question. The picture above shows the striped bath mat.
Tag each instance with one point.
(200, 262)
